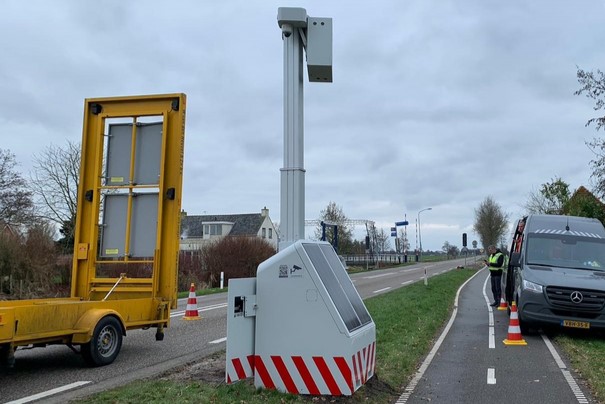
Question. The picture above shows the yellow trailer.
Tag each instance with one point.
(125, 262)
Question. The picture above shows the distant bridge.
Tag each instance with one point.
(355, 222)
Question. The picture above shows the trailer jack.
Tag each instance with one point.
(159, 334)
(7, 356)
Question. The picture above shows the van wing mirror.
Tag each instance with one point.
(515, 258)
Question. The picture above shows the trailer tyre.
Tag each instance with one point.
(105, 344)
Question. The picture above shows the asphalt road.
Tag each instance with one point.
(474, 365)
(42, 370)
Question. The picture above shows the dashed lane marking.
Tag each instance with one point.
(49, 393)
(491, 376)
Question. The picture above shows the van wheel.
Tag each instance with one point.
(526, 328)
(523, 326)
(105, 344)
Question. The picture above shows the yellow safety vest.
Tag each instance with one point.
(493, 259)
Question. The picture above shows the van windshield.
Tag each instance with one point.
(566, 251)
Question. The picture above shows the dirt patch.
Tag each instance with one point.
(211, 370)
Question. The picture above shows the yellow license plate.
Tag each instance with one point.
(575, 324)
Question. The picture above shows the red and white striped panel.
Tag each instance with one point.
(239, 369)
(364, 363)
(316, 375)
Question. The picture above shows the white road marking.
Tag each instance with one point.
(427, 361)
(208, 308)
(218, 341)
(407, 282)
(490, 311)
(492, 338)
(571, 382)
(381, 290)
(491, 376)
(378, 276)
(49, 393)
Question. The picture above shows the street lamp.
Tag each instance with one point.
(419, 235)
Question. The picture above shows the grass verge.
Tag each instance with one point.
(407, 321)
(586, 352)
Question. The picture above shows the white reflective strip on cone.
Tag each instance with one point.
(514, 329)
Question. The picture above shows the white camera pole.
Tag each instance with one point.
(292, 203)
(315, 34)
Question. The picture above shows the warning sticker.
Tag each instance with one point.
(296, 272)
(290, 271)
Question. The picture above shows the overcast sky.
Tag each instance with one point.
(434, 103)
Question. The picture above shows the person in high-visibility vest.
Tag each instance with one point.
(495, 263)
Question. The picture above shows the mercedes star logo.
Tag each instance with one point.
(576, 297)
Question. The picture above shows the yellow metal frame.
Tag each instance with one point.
(162, 284)
(135, 302)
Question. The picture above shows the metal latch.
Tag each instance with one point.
(245, 305)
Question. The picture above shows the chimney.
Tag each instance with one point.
(264, 212)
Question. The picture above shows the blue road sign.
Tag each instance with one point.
(404, 223)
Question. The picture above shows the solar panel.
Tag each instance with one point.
(341, 290)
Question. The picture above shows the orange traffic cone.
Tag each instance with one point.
(191, 312)
(503, 305)
(514, 330)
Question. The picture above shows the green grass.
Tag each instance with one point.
(586, 351)
(407, 320)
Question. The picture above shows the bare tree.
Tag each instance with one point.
(446, 247)
(54, 184)
(383, 243)
(550, 199)
(15, 199)
(450, 250)
(403, 244)
(593, 87)
(335, 215)
(491, 223)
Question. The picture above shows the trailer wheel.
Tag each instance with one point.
(105, 344)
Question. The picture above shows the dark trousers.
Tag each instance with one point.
(496, 287)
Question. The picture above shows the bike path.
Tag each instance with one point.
(465, 369)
